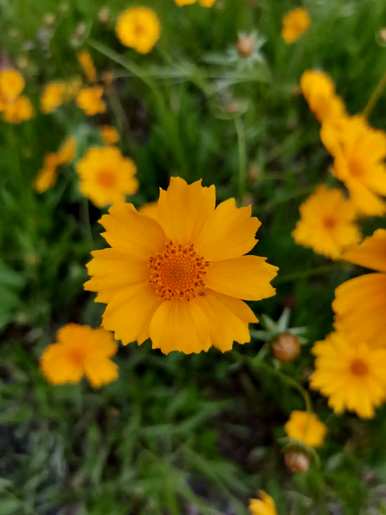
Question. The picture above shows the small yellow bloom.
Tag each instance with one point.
(47, 176)
(264, 505)
(87, 65)
(172, 278)
(294, 24)
(138, 28)
(80, 351)
(53, 96)
(306, 428)
(319, 91)
(360, 303)
(204, 3)
(109, 134)
(351, 373)
(20, 110)
(106, 176)
(90, 100)
(11, 85)
(66, 152)
(327, 223)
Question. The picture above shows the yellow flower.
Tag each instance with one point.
(319, 91)
(66, 152)
(11, 85)
(204, 3)
(106, 176)
(80, 351)
(87, 65)
(90, 100)
(149, 209)
(294, 24)
(359, 152)
(327, 223)
(53, 96)
(173, 279)
(138, 28)
(109, 134)
(360, 303)
(47, 175)
(265, 505)
(20, 110)
(306, 428)
(351, 373)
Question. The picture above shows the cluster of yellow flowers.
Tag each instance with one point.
(14, 107)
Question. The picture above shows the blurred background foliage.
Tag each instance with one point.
(182, 434)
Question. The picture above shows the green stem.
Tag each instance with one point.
(242, 153)
(375, 96)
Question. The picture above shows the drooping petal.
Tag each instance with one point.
(100, 371)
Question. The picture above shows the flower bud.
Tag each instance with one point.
(286, 347)
(297, 461)
(104, 14)
(245, 45)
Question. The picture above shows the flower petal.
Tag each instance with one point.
(100, 371)
(371, 253)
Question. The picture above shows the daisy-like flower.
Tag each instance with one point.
(203, 3)
(180, 277)
(264, 505)
(87, 64)
(106, 176)
(360, 303)
(19, 110)
(90, 100)
(306, 428)
(109, 134)
(295, 23)
(319, 91)
(359, 152)
(138, 28)
(12, 84)
(351, 373)
(327, 223)
(53, 96)
(80, 351)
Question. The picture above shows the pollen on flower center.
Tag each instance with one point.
(106, 179)
(359, 367)
(329, 222)
(178, 272)
(77, 357)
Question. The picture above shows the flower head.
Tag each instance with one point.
(359, 152)
(319, 91)
(327, 223)
(360, 303)
(295, 23)
(106, 176)
(19, 110)
(90, 100)
(171, 277)
(47, 175)
(109, 134)
(264, 505)
(12, 84)
(53, 96)
(138, 28)
(80, 351)
(66, 152)
(203, 3)
(351, 373)
(87, 65)
(306, 428)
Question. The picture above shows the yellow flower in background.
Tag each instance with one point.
(173, 279)
(359, 152)
(264, 505)
(90, 100)
(138, 28)
(203, 3)
(19, 110)
(66, 152)
(360, 303)
(47, 176)
(12, 84)
(109, 134)
(106, 176)
(80, 351)
(351, 373)
(306, 428)
(319, 91)
(53, 96)
(327, 223)
(87, 65)
(295, 23)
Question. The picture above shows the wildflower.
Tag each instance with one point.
(47, 175)
(286, 347)
(203, 3)
(327, 223)
(87, 65)
(106, 176)
(351, 373)
(172, 279)
(12, 84)
(90, 100)
(295, 23)
(109, 134)
(246, 45)
(138, 28)
(306, 428)
(360, 303)
(297, 461)
(264, 505)
(53, 96)
(66, 152)
(80, 351)
(319, 91)
(19, 110)
(359, 152)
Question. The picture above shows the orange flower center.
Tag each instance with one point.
(359, 367)
(106, 178)
(178, 272)
(356, 167)
(329, 222)
(77, 357)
